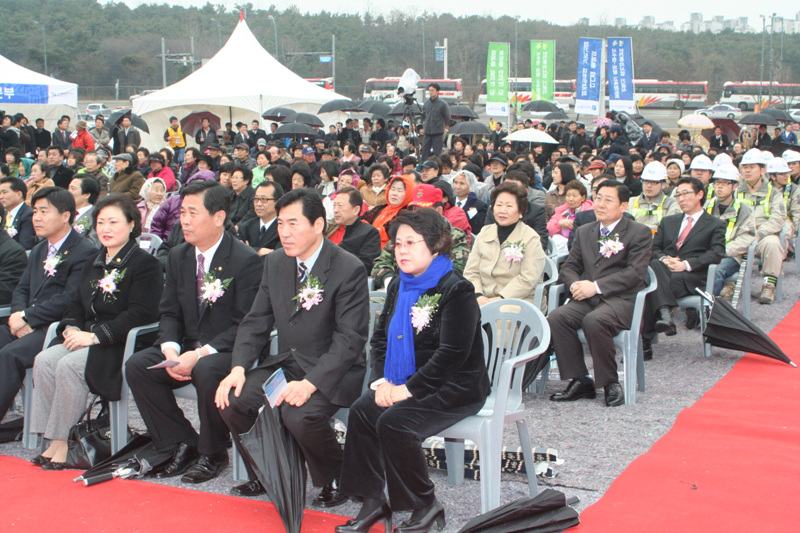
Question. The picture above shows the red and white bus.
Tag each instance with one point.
(744, 94)
(385, 89)
(325, 83)
(670, 94)
(563, 92)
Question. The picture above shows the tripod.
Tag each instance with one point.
(411, 110)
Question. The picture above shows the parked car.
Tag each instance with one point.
(721, 111)
(92, 110)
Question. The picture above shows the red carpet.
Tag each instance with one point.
(730, 462)
(32, 500)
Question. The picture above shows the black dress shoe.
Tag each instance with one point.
(206, 468)
(647, 350)
(575, 391)
(184, 457)
(249, 489)
(40, 460)
(330, 496)
(365, 524)
(614, 395)
(50, 465)
(692, 318)
(665, 324)
(433, 515)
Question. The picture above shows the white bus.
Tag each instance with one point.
(670, 94)
(563, 92)
(744, 94)
(385, 89)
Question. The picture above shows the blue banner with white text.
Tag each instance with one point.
(21, 93)
(587, 95)
(620, 74)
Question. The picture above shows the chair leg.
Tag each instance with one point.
(29, 440)
(630, 361)
(544, 375)
(119, 420)
(640, 364)
(239, 470)
(527, 454)
(706, 346)
(454, 452)
(490, 449)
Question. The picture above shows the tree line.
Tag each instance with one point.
(96, 44)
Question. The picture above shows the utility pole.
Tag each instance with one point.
(771, 56)
(192, 41)
(219, 32)
(601, 105)
(424, 67)
(275, 27)
(445, 58)
(180, 57)
(516, 68)
(763, 45)
(333, 60)
(163, 63)
(44, 37)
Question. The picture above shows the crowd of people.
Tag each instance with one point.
(284, 235)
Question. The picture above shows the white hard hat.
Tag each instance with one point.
(726, 172)
(777, 165)
(722, 160)
(654, 171)
(701, 162)
(791, 156)
(767, 155)
(753, 157)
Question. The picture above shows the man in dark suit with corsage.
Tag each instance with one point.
(684, 246)
(13, 262)
(17, 220)
(211, 281)
(315, 294)
(606, 267)
(45, 290)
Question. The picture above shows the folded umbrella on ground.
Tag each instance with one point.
(549, 511)
(140, 455)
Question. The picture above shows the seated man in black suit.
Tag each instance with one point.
(602, 282)
(320, 342)
(46, 288)
(13, 262)
(351, 233)
(261, 233)
(17, 219)
(684, 246)
(587, 215)
(198, 324)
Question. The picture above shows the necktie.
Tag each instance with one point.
(684, 233)
(51, 251)
(261, 233)
(604, 231)
(201, 272)
(302, 270)
(9, 220)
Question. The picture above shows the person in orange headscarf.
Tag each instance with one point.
(398, 196)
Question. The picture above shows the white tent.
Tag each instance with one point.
(35, 95)
(238, 84)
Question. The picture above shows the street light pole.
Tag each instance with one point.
(424, 67)
(516, 66)
(771, 55)
(275, 27)
(763, 44)
(219, 32)
(44, 37)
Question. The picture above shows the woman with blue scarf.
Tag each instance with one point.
(428, 373)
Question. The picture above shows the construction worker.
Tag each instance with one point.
(652, 205)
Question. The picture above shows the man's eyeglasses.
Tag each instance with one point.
(261, 199)
(678, 194)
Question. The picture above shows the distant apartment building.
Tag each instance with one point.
(718, 23)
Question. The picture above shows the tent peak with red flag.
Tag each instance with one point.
(241, 14)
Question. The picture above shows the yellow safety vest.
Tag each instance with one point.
(731, 221)
(176, 138)
(753, 203)
(658, 211)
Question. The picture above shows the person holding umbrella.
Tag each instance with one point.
(770, 214)
(428, 373)
(206, 136)
(125, 136)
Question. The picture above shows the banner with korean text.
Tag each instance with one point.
(497, 68)
(587, 94)
(620, 74)
(543, 68)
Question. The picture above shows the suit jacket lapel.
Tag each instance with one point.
(701, 222)
(218, 266)
(320, 271)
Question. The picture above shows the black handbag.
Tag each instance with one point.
(90, 439)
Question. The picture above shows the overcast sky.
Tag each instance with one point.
(569, 12)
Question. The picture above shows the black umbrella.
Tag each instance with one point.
(471, 127)
(279, 114)
(556, 115)
(343, 104)
(11, 430)
(540, 106)
(458, 112)
(549, 511)
(140, 455)
(278, 463)
(778, 114)
(137, 121)
(726, 328)
(308, 119)
(294, 129)
(400, 110)
(376, 107)
(759, 119)
(778, 147)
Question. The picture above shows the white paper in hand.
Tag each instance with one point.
(274, 386)
(167, 363)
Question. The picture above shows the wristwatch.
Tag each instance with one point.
(23, 317)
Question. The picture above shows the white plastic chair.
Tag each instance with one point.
(629, 341)
(550, 277)
(149, 242)
(519, 333)
(700, 304)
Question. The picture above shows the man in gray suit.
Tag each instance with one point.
(320, 342)
(606, 267)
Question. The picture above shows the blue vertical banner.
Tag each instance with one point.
(620, 74)
(587, 95)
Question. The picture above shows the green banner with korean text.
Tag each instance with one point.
(497, 68)
(543, 68)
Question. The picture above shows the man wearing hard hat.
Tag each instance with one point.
(652, 205)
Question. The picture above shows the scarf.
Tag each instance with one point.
(388, 213)
(400, 358)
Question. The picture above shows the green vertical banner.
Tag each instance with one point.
(497, 69)
(543, 69)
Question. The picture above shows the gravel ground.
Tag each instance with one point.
(595, 443)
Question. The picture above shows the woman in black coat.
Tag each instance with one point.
(120, 290)
(428, 373)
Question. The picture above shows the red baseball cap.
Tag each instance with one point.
(426, 195)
